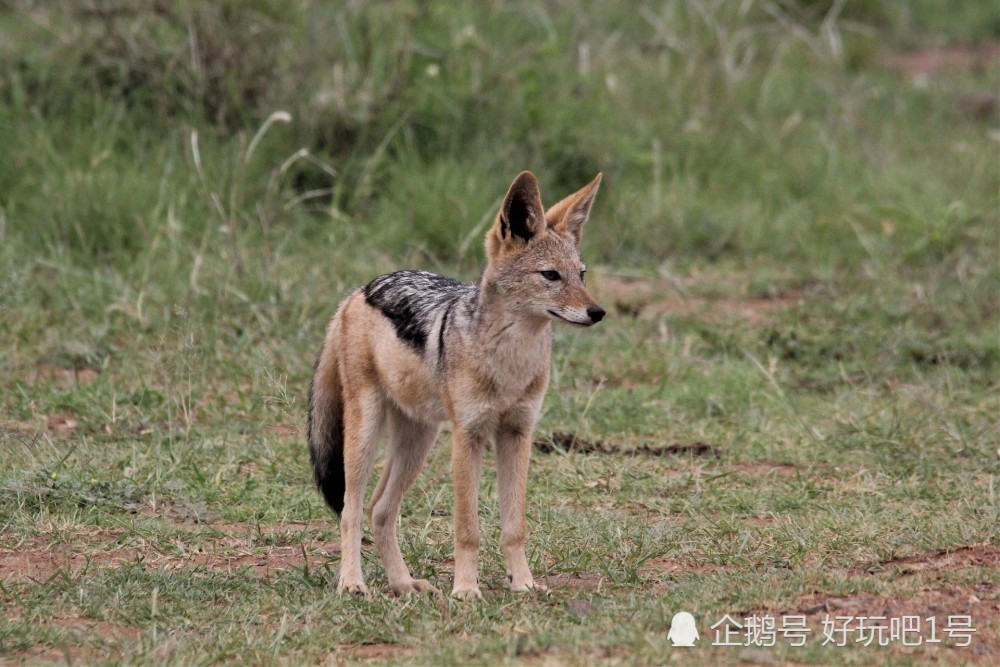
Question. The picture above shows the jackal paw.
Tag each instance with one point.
(352, 589)
(524, 585)
(467, 593)
(410, 586)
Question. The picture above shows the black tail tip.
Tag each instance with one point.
(333, 493)
(328, 470)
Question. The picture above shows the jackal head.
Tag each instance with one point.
(533, 255)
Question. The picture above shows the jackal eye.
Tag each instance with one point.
(583, 276)
(550, 275)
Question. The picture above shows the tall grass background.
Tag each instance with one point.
(244, 163)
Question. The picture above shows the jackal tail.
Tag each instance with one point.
(325, 428)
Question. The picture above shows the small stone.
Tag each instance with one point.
(580, 607)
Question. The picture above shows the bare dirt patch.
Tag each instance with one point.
(570, 442)
(923, 65)
(650, 298)
(226, 548)
(39, 559)
(942, 604)
(757, 521)
(934, 605)
(62, 424)
(62, 376)
(945, 560)
(376, 651)
(934, 61)
(668, 565)
(762, 468)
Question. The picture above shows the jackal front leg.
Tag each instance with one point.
(513, 449)
(467, 462)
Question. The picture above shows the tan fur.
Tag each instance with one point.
(489, 382)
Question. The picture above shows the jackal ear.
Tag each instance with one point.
(521, 215)
(569, 215)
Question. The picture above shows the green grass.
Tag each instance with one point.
(797, 243)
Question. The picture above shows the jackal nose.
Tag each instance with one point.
(596, 313)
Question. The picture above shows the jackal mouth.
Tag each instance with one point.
(579, 324)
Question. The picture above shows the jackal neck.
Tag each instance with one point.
(498, 314)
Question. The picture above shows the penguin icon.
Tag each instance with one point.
(683, 630)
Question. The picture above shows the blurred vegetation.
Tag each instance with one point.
(726, 129)
(226, 157)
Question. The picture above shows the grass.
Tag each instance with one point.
(796, 241)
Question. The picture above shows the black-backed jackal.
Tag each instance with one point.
(413, 349)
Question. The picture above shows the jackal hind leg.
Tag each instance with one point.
(364, 415)
(409, 443)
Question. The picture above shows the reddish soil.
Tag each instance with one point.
(937, 596)
(762, 468)
(226, 547)
(60, 375)
(649, 298)
(570, 442)
(941, 603)
(923, 65)
(757, 520)
(39, 559)
(375, 651)
(977, 555)
(934, 61)
(667, 565)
